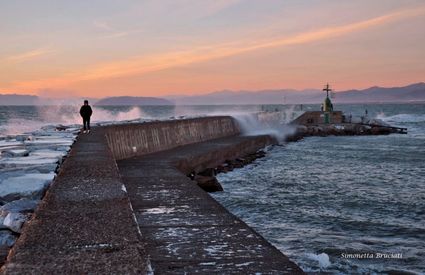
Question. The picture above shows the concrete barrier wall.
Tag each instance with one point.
(130, 140)
(242, 146)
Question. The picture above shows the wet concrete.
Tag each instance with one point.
(186, 230)
(98, 219)
(84, 224)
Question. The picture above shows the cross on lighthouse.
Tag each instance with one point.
(327, 89)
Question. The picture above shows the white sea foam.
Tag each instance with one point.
(252, 120)
(406, 118)
(272, 124)
(67, 115)
(322, 259)
(160, 210)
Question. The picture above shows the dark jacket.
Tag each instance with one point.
(86, 111)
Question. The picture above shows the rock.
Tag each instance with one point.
(15, 153)
(30, 186)
(240, 160)
(19, 206)
(331, 131)
(191, 175)
(2, 226)
(209, 172)
(209, 184)
(247, 160)
(73, 129)
(220, 169)
(49, 154)
(237, 164)
(228, 167)
(22, 137)
(40, 169)
(295, 137)
(7, 239)
(14, 221)
(61, 128)
(48, 128)
(63, 149)
(30, 160)
(4, 252)
(50, 141)
(7, 143)
(380, 131)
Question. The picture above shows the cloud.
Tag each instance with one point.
(112, 32)
(140, 65)
(217, 6)
(185, 9)
(121, 34)
(26, 56)
(102, 25)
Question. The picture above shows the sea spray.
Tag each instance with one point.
(70, 114)
(66, 115)
(402, 118)
(322, 259)
(253, 124)
(199, 110)
(251, 119)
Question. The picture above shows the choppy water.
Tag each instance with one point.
(314, 199)
(324, 196)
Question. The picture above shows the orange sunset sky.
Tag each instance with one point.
(167, 47)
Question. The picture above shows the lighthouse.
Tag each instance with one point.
(327, 105)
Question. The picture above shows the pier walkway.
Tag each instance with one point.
(143, 214)
(183, 228)
(84, 224)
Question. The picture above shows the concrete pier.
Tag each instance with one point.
(84, 223)
(185, 229)
(144, 214)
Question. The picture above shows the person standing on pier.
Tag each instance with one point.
(86, 112)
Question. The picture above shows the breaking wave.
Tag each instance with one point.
(322, 259)
(67, 115)
(402, 118)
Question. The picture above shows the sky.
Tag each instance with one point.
(98, 48)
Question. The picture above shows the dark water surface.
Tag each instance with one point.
(323, 197)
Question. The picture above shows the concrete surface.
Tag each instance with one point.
(183, 228)
(84, 223)
(139, 139)
(90, 223)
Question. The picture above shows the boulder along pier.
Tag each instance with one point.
(127, 200)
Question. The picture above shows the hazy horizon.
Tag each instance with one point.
(188, 47)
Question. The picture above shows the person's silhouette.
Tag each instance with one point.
(86, 112)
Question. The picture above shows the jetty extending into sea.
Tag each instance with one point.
(131, 198)
(124, 202)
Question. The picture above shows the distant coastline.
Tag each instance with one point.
(414, 93)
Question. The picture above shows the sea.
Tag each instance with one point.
(337, 205)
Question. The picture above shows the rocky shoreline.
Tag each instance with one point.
(207, 180)
(346, 129)
(28, 164)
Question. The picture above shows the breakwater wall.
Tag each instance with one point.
(140, 139)
(99, 217)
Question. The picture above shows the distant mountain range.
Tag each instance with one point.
(131, 100)
(410, 93)
(18, 99)
(414, 92)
